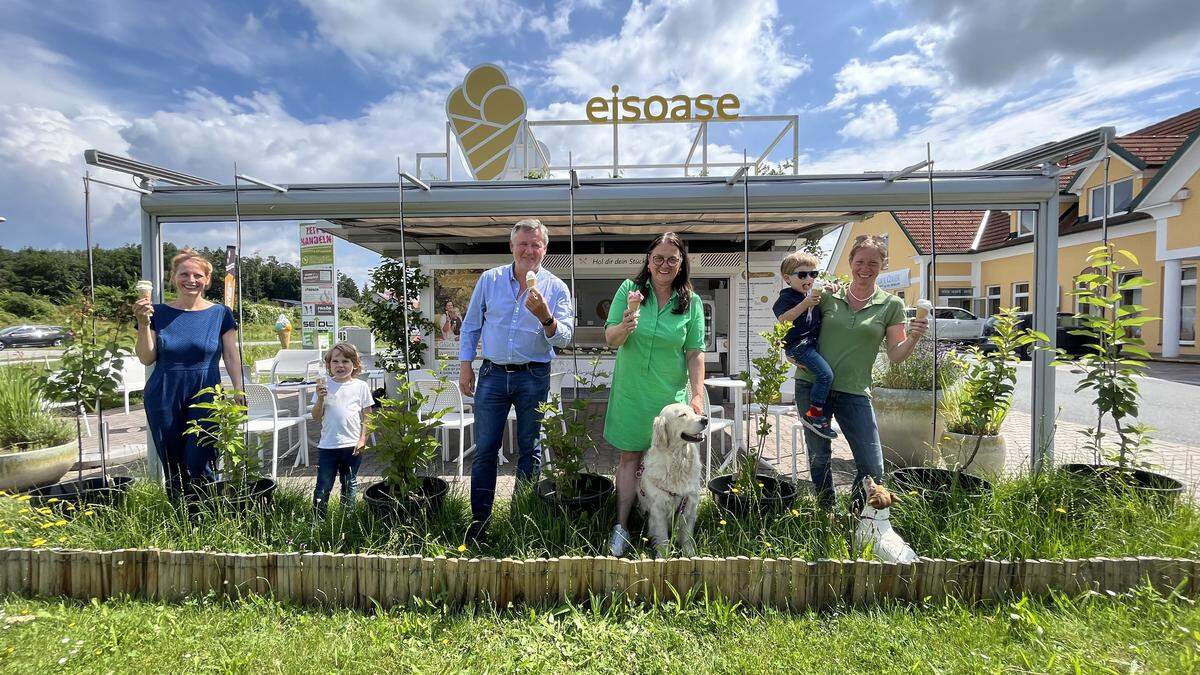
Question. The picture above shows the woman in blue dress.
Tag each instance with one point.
(184, 339)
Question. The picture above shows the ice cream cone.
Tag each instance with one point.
(144, 289)
(924, 307)
(635, 300)
(285, 336)
(530, 280)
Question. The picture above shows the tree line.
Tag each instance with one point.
(60, 276)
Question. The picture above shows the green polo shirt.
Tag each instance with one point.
(651, 368)
(850, 340)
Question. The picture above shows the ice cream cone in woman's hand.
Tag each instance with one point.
(635, 301)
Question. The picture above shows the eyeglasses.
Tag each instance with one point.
(672, 261)
(811, 274)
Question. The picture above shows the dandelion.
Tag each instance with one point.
(46, 526)
(23, 498)
(1061, 510)
(912, 493)
(795, 512)
(52, 500)
(89, 512)
(25, 510)
(45, 510)
(60, 523)
(37, 542)
(462, 547)
(70, 506)
(723, 522)
(9, 531)
(767, 544)
(734, 490)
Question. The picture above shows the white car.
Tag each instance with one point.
(955, 324)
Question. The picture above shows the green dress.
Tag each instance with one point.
(651, 369)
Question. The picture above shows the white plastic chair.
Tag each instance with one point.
(294, 363)
(556, 383)
(441, 395)
(263, 368)
(264, 419)
(133, 378)
(717, 423)
(776, 411)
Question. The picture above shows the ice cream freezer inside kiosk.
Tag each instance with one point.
(718, 278)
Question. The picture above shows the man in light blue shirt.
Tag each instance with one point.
(518, 313)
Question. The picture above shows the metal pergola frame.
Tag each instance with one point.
(1003, 189)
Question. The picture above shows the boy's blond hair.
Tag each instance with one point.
(347, 350)
(797, 260)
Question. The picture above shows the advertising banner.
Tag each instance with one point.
(318, 288)
(451, 294)
(231, 280)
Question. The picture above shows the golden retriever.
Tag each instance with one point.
(670, 477)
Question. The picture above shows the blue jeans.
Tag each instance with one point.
(856, 417)
(340, 462)
(496, 392)
(806, 353)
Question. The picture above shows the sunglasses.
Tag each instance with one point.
(811, 274)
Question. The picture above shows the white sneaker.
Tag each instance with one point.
(619, 542)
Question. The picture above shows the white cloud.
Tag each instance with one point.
(861, 79)
(873, 121)
(664, 47)
(557, 26)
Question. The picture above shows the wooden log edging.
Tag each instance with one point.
(365, 581)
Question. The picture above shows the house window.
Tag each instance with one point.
(1021, 297)
(993, 300)
(1026, 220)
(1187, 307)
(1132, 296)
(1120, 194)
(1082, 307)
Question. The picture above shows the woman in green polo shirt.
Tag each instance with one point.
(660, 361)
(855, 320)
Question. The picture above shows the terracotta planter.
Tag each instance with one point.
(35, 468)
(904, 417)
(956, 451)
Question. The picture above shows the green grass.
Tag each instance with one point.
(1041, 517)
(1140, 632)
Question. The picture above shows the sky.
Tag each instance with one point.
(335, 90)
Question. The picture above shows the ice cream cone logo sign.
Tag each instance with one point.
(486, 115)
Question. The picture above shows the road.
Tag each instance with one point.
(1170, 399)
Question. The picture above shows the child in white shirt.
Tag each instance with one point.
(340, 405)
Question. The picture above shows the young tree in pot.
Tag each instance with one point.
(975, 408)
(405, 435)
(385, 311)
(566, 434)
(242, 484)
(90, 370)
(747, 489)
(1114, 357)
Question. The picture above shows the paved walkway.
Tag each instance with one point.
(127, 433)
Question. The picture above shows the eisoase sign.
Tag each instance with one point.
(658, 108)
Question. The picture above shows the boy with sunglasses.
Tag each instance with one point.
(798, 304)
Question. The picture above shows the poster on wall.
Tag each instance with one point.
(451, 294)
(764, 289)
(318, 288)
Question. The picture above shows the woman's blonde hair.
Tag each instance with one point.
(347, 350)
(872, 242)
(186, 254)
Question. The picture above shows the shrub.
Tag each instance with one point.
(26, 306)
(916, 372)
(25, 420)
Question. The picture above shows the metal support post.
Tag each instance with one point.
(1045, 310)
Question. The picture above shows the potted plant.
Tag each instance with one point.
(241, 484)
(90, 370)
(405, 440)
(385, 311)
(565, 431)
(903, 397)
(36, 446)
(1114, 356)
(747, 489)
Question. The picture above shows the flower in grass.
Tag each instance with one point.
(45, 510)
(70, 506)
(37, 542)
(795, 512)
(23, 498)
(912, 493)
(723, 522)
(52, 500)
(767, 544)
(46, 526)
(734, 490)
(62, 539)
(89, 512)
(60, 523)
(25, 510)
(1061, 510)
(462, 547)
(9, 531)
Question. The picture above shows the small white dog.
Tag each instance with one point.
(875, 526)
(670, 477)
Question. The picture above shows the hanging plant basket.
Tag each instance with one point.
(777, 495)
(592, 493)
(385, 502)
(88, 492)
(239, 496)
(939, 484)
(1143, 483)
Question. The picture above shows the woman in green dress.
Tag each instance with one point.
(657, 324)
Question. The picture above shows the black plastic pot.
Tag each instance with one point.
(89, 492)
(941, 483)
(426, 500)
(1141, 482)
(255, 493)
(592, 492)
(776, 495)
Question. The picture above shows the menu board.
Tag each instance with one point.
(318, 288)
(452, 290)
(765, 285)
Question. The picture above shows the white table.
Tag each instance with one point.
(737, 387)
(299, 387)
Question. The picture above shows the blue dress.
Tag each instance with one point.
(188, 352)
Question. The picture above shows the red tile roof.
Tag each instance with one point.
(1182, 124)
(1155, 144)
(955, 230)
(996, 230)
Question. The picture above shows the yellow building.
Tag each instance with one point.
(985, 258)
